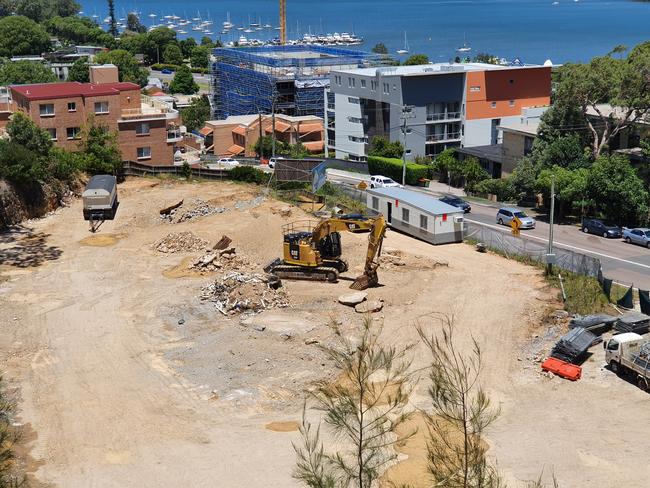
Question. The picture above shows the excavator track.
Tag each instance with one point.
(321, 273)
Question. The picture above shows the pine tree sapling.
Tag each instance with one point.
(362, 410)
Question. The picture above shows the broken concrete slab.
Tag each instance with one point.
(283, 323)
(369, 306)
(352, 299)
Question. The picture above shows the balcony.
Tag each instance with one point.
(150, 109)
(174, 135)
(330, 106)
(443, 116)
(450, 136)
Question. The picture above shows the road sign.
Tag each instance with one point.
(319, 177)
(515, 224)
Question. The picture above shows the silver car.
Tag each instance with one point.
(506, 214)
(637, 236)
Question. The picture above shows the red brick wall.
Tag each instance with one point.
(161, 152)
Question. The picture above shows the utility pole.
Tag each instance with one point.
(273, 128)
(407, 113)
(550, 257)
(261, 154)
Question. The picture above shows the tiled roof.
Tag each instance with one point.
(48, 91)
(235, 149)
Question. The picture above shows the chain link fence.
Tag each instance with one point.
(536, 251)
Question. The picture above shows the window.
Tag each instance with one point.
(386, 88)
(72, 132)
(354, 100)
(46, 110)
(363, 83)
(52, 133)
(511, 103)
(405, 215)
(101, 107)
(355, 120)
(475, 88)
(337, 79)
(394, 86)
(373, 85)
(375, 203)
(142, 129)
(424, 222)
(352, 82)
(144, 153)
(72, 106)
(357, 139)
(494, 105)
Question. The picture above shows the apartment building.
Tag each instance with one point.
(147, 129)
(238, 134)
(429, 107)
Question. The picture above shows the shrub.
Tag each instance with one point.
(248, 174)
(392, 168)
(502, 188)
(162, 66)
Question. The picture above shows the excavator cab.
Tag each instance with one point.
(330, 246)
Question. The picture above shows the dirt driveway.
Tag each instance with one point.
(128, 379)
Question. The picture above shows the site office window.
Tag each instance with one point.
(46, 109)
(101, 108)
(405, 215)
(424, 222)
(144, 152)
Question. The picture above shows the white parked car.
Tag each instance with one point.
(379, 181)
(272, 161)
(228, 162)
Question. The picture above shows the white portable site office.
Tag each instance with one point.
(418, 214)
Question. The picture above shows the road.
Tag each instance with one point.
(624, 263)
(199, 78)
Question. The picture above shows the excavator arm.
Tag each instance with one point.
(369, 277)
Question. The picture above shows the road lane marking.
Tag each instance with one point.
(569, 246)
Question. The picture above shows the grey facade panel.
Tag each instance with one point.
(422, 90)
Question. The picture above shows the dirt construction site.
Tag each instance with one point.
(143, 357)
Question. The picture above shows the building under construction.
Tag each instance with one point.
(290, 79)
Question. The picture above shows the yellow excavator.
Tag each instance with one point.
(312, 250)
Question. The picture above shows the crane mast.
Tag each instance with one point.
(283, 22)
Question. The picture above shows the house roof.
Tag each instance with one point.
(206, 130)
(314, 127)
(314, 145)
(235, 149)
(491, 152)
(240, 129)
(615, 112)
(416, 199)
(49, 91)
(528, 128)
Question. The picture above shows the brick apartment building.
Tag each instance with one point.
(237, 134)
(147, 130)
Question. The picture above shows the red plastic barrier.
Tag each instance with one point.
(562, 368)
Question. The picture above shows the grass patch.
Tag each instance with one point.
(9, 435)
(584, 294)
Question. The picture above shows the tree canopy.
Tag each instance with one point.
(133, 23)
(173, 54)
(380, 48)
(40, 10)
(127, 65)
(382, 147)
(605, 82)
(183, 82)
(196, 114)
(22, 130)
(20, 36)
(24, 72)
(79, 71)
(78, 30)
(417, 59)
(200, 57)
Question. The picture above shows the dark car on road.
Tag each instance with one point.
(600, 228)
(456, 202)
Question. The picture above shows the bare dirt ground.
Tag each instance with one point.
(128, 379)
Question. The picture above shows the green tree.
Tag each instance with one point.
(486, 58)
(197, 113)
(159, 38)
(141, 44)
(473, 173)
(24, 72)
(183, 82)
(362, 411)
(173, 54)
(207, 42)
(382, 147)
(22, 130)
(416, 59)
(380, 48)
(78, 30)
(128, 67)
(615, 190)
(133, 23)
(20, 35)
(101, 152)
(79, 71)
(570, 188)
(523, 178)
(200, 57)
(19, 164)
(112, 26)
(446, 163)
(187, 46)
(621, 83)
(565, 151)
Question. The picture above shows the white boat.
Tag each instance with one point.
(182, 31)
(268, 26)
(207, 32)
(227, 24)
(248, 31)
(243, 41)
(405, 50)
(464, 48)
(152, 16)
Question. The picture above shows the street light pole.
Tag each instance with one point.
(406, 114)
(550, 256)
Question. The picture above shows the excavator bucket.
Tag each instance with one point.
(366, 280)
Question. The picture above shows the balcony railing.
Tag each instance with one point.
(174, 135)
(443, 116)
(450, 136)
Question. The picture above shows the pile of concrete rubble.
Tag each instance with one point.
(180, 242)
(179, 212)
(235, 292)
(213, 260)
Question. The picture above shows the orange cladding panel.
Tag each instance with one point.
(503, 93)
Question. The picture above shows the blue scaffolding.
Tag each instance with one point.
(251, 80)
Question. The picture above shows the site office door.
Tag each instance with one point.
(389, 213)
